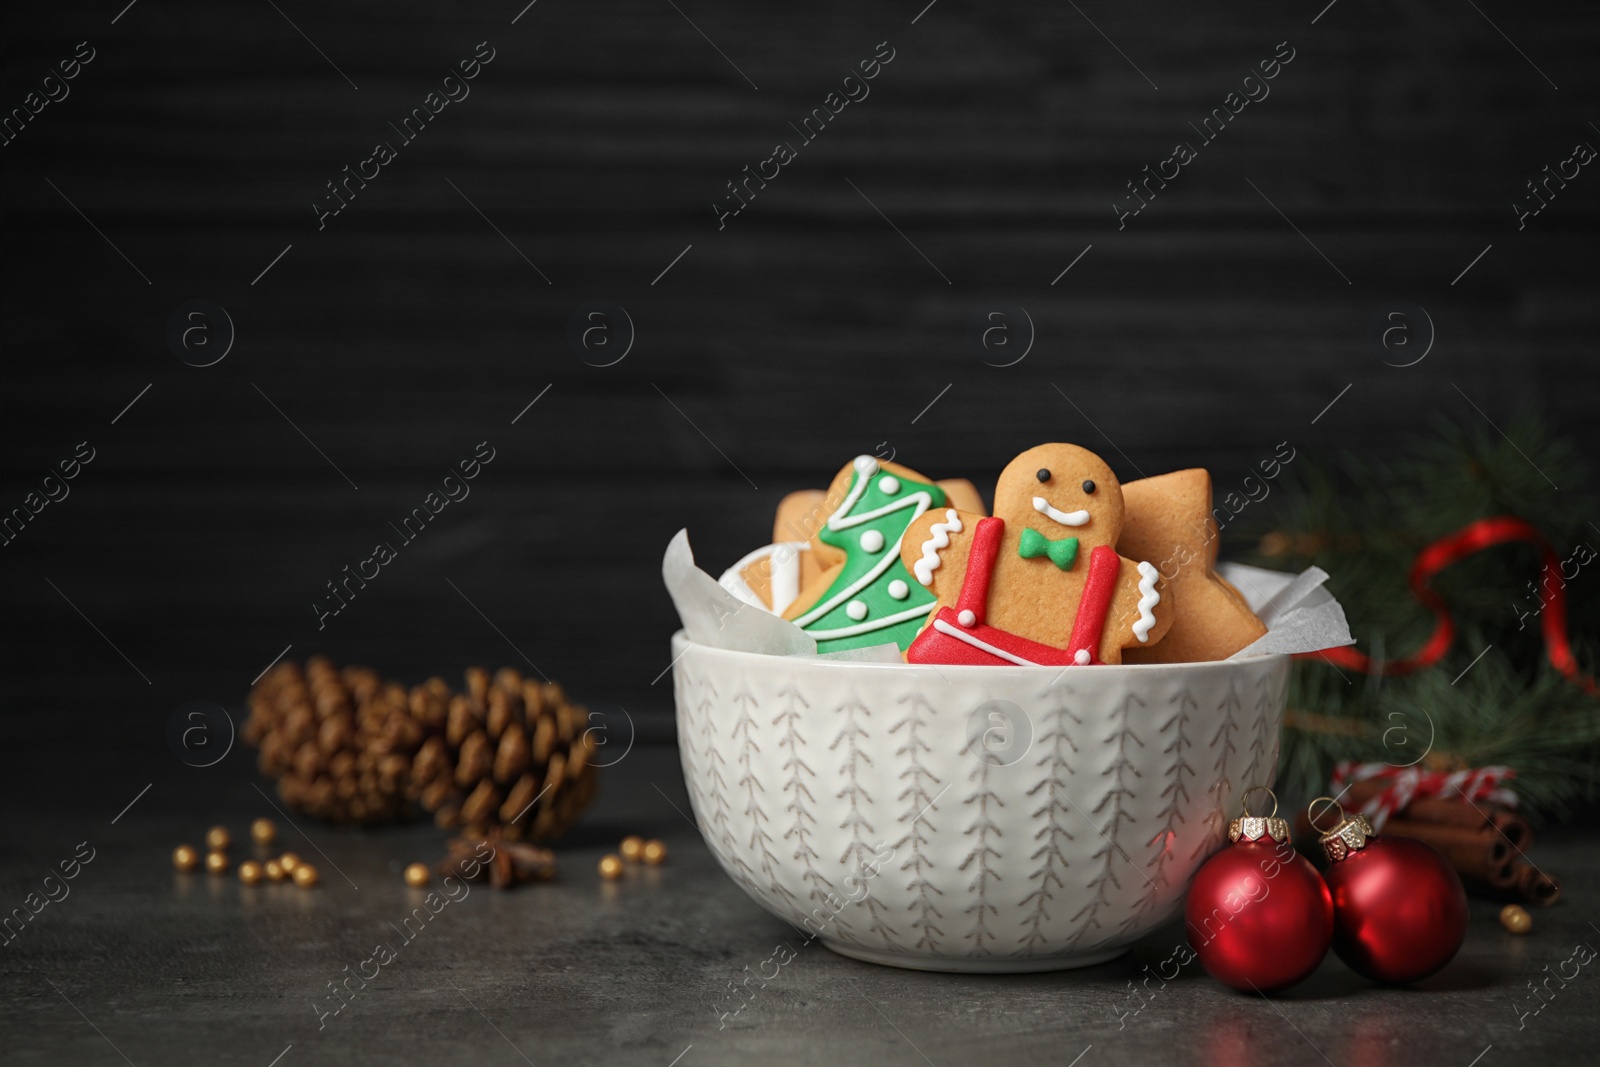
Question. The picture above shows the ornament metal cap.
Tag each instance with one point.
(1255, 827)
(1350, 834)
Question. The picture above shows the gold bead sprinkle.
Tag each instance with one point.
(417, 875)
(288, 861)
(185, 858)
(611, 868)
(217, 838)
(274, 871)
(216, 862)
(305, 875)
(250, 872)
(264, 831)
(1515, 917)
(655, 853)
(633, 848)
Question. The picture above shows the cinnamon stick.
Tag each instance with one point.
(1456, 811)
(1476, 853)
(1499, 880)
(1537, 887)
(1520, 881)
(1483, 842)
(1514, 827)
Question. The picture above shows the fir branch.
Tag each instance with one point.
(1364, 522)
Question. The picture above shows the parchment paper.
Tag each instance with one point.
(1301, 616)
(713, 616)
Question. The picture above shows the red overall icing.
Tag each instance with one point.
(974, 595)
(934, 646)
(1096, 602)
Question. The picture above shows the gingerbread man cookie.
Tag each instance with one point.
(1167, 520)
(1041, 582)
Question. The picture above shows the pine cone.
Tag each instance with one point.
(514, 755)
(339, 742)
(508, 755)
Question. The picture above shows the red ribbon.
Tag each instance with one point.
(1467, 541)
(1406, 784)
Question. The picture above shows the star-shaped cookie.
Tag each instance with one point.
(1167, 520)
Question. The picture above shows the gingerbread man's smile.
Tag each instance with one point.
(1065, 518)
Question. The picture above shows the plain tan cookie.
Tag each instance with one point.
(1167, 520)
(1058, 492)
(800, 515)
(964, 496)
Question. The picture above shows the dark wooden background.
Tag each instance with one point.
(805, 332)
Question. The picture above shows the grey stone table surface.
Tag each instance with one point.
(142, 965)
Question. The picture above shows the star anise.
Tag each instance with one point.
(497, 858)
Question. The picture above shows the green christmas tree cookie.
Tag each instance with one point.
(873, 599)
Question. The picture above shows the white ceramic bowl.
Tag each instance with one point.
(971, 818)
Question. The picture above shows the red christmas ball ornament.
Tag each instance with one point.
(1259, 916)
(1399, 910)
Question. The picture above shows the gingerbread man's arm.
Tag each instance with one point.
(935, 548)
(1142, 605)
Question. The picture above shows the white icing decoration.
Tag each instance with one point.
(1081, 657)
(872, 541)
(865, 467)
(872, 624)
(967, 618)
(899, 590)
(938, 540)
(856, 610)
(889, 485)
(976, 642)
(785, 579)
(1065, 518)
(842, 519)
(1148, 598)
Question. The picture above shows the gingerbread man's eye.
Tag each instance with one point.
(1088, 485)
(1043, 474)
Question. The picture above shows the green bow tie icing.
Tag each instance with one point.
(1063, 552)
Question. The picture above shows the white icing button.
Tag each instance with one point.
(856, 610)
(899, 590)
(889, 484)
(1082, 657)
(866, 464)
(966, 618)
(872, 541)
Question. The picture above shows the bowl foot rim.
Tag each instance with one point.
(976, 964)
